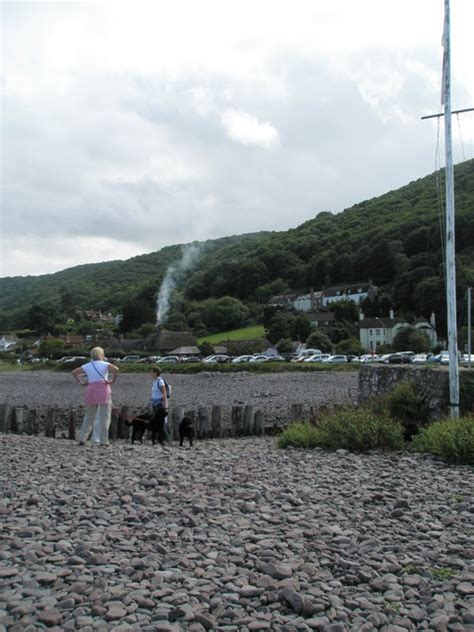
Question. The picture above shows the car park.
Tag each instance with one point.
(465, 359)
(336, 359)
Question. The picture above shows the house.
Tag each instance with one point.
(164, 341)
(301, 302)
(321, 319)
(8, 342)
(70, 340)
(356, 292)
(374, 332)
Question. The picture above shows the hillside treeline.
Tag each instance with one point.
(395, 239)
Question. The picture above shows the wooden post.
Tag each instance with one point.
(216, 421)
(248, 421)
(16, 423)
(50, 426)
(236, 421)
(259, 423)
(296, 412)
(72, 425)
(32, 426)
(203, 416)
(195, 420)
(113, 429)
(4, 417)
(176, 416)
(122, 429)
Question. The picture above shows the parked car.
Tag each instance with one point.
(70, 359)
(276, 358)
(216, 358)
(192, 359)
(369, 358)
(465, 359)
(336, 359)
(352, 358)
(305, 353)
(259, 358)
(317, 357)
(422, 358)
(169, 360)
(131, 358)
(400, 357)
(241, 358)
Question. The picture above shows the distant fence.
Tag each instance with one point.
(209, 422)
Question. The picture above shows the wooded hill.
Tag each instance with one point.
(394, 239)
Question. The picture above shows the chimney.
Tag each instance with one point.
(391, 314)
(361, 315)
(433, 320)
(311, 298)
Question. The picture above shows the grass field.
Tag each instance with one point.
(247, 333)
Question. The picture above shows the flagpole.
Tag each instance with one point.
(450, 235)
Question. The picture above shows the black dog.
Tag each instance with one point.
(186, 430)
(155, 422)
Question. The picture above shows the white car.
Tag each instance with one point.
(421, 358)
(336, 359)
(216, 358)
(465, 359)
(317, 357)
(259, 358)
(368, 358)
(242, 358)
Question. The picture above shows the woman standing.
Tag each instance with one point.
(95, 377)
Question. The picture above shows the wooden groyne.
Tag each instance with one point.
(209, 422)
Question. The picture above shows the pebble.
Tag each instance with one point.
(232, 535)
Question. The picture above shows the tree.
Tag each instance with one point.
(136, 312)
(206, 348)
(345, 310)
(43, 318)
(285, 345)
(411, 339)
(280, 327)
(349, 346)
(301, 328)
(319, 340)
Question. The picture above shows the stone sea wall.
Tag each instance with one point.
(431, 383)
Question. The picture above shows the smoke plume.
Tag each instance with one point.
(173, 276)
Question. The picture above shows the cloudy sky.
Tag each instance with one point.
(128, 126)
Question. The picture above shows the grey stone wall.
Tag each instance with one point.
(432, 383)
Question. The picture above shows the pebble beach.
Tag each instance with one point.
(233, 534)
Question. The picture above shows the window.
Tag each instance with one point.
(377, 332)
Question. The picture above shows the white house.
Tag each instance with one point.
(356, 292)
(374, 332)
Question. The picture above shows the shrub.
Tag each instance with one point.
(357, 429)
(451, 439)
(407, 406)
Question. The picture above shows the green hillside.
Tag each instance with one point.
(394, 239)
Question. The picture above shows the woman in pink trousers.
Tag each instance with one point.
(97, 376)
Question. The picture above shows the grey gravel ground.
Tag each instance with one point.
(231, 535)
(271, 393)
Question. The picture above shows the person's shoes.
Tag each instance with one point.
(81, 443)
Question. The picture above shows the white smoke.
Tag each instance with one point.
(173, 275)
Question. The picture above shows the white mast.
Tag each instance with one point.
(450, 246)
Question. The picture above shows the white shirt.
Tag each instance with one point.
(96, 371)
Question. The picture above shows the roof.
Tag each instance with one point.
(186, 351)
(384, 323)
(352, 288)
(317, 316)
(167, 340)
